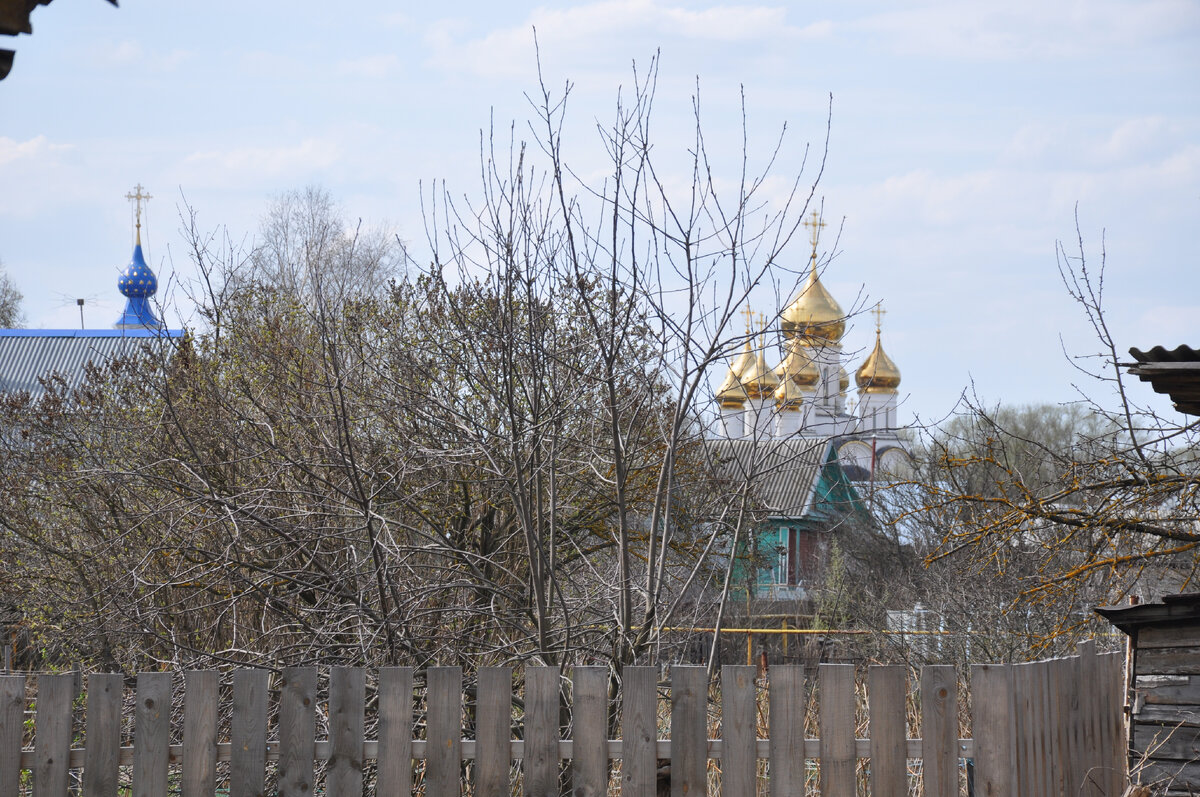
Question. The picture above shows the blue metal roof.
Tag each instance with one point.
(30, 355)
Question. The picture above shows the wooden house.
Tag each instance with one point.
(1164, 691)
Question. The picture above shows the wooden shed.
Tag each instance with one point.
(1164, 691)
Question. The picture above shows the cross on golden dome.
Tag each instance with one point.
(749, 314)
(815, 224)
(137, 197)
(879, 313)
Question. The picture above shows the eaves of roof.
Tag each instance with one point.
(1175, 372)
(1172, 609)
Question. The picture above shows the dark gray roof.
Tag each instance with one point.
(783, 472)
(28, 356)
(1172, 610)
(1175, 372)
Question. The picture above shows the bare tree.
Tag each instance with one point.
(11, 315)
(505, 455)
(1053, 510)
(307, 249)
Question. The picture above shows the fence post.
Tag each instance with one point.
(347, 703)
(639, 732)
(739, 753)
(939, 730)
(993, 730)
(394, 776)
(200, 694)
(786, 721)
(689, 731)
(12, 731)
(443, 734)
(837, 729)
(589, 723)
(297, 731)
(151, 732)
(102, 741)
(887, 687)
(493, 732)
(248, 734)
(541, 732)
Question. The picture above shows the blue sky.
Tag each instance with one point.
(963, 136)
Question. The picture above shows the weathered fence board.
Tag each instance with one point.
(993, 731)
(347, 698)
(199, 772)
(493, 730)
(52, 742)
(541, 732)
(395, 732)
(886, 690)
(785, 701)
(589, 754)
(837, 729)
(102, 755)
(738, 734)
(12, 731)
(443, 734)
(247, 770)
(1041, 728)
(151, 734)
(689, 731)
(939, 730)
(297, 731)
(639, 732)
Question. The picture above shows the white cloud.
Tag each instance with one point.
(369, 66)
(129, 52)
(593, 26)
(258, 162)
(1032, 29)
(33, 149)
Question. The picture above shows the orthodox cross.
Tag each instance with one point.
(815, 225)
(749, 314)
(762, 326)
(137, 197)
(879, 313)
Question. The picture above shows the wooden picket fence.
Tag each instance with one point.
(1045, 728)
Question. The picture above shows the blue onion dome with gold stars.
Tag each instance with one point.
(137, 283)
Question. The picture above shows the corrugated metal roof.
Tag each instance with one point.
(28, 356)
(1175, 372)
(783, 472)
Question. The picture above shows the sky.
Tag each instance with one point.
(964, 139)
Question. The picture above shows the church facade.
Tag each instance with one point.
(786, 424)
(30, 358)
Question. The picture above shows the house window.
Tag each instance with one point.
(799, 556)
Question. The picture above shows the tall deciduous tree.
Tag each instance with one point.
(502, 455)
(11, 314)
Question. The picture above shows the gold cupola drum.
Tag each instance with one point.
(878, 380)
(760, 382)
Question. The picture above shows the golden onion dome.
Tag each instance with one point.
(759, 380)
(878, 373)
(798, 366)
(732, 393)
(790, 396)
(815, 314)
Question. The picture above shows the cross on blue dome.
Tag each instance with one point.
(137, 283)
